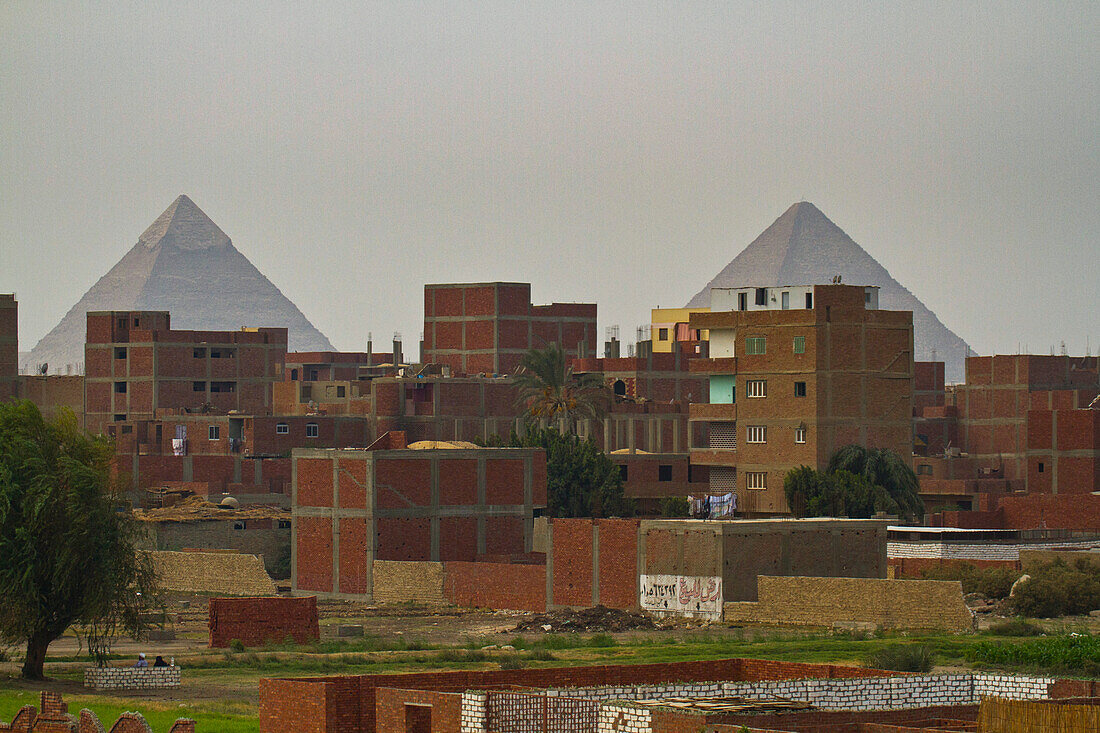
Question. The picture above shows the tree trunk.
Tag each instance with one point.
(36, 657)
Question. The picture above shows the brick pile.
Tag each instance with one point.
(255, 621)
(398, 581)
(132, 678)
(895, 604)
(213, 572)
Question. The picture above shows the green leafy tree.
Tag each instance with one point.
(550, 390)
(885, 468)
(675, 506)
(581, 480)
(67, 555)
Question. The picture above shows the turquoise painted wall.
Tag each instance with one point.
(723, 390)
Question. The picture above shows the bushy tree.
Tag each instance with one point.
(858, 483)
(1059, 589)
(581, 480)
(675, 506)
(882, 467)
(549, 390)
(66, 543)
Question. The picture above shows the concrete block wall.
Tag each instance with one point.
(131, 678)
(474, 715)
(624, 718)
(899, 604)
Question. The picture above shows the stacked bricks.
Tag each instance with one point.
(898, 604)
(398, 581)
(212, 572)
(131, 678)
(255, 621)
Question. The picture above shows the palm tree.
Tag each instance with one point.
(882, 467)
(548, 388)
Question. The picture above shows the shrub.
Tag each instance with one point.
(236, 645)
(1016, 627)
(675, 506)
(601, 640)
(512, 661)
(542, 655)
(1058, 589)
(902, 658)
(990, 582)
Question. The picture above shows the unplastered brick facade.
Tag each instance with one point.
(487, 327)
(790, 387)
(256, 621)
(352, 507)
(136, 364)
(9, 346)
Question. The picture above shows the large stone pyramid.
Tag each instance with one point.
(185, 264)
(803, 247)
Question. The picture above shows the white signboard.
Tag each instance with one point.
(684, 595)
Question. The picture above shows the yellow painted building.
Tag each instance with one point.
(664, 324)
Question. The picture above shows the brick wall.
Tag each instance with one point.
(258, 620)
(53, 717)
(495, 585)
(440, 712)
(397, 581)
(594, 561)
(903, 604)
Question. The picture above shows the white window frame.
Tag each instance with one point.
(756, 480)
(312, 430)
(800, 435)
(282, 428)
(756, 434)
(756, 388)
(214, 432)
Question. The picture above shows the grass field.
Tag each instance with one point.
(220, 688)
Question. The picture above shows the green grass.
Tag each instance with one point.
(1076, 655)
(225, 717)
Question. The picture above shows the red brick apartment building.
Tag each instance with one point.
(476, 328)
(795, 373)
(352, 507)
(9, 346)
(135, 364)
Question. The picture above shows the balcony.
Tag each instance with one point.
(708, 411)
(719, 365)
(713, 457)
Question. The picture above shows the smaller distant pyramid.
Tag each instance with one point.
(185, 264)
(803, 247)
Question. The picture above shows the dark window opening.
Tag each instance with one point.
(222, 353)
(120, 353)
(127, 429)
(761, 296)
(799, 389)
(135, 323)
(340, 391)
(809, 300)
(1041, 468)
(160, 433)
(122, 323)
(238, 525)
(622, 471)
(294, 375)
(742, 301)
(619, 388)
(924, 469)
(199, 353)
(198, 386)
(311, 430)
(119, 418)
(223, 386)
(662, 334)
(214, 432)
(313, 375)
(120, 387)
(284, 524)
(664, 473)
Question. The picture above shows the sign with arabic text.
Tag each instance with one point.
(685, 595)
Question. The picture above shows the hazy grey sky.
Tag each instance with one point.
(615, 153)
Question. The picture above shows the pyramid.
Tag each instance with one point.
(802, 247)
(185, 264)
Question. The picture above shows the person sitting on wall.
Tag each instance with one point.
(159, 662)
(141, 662)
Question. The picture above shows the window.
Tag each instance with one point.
(120, 418)
(756, 388)
(756, 480)
(311, 430)
(199, 353)
(135, 323)
(127, 429)
(867, 296)
(122, 323)
(120, 353)
(756, 345)
(198, 386)
(282, 428)
(664, 473)
(222, 353)
(238, 525)
(284, 524)
(214, 432)
(800, 435)
(785, 300)
(924, 469)
(1041, 468)
(742, 301)
(223, 386)
(800, 344)
(120, 387)
(622, 471)
(340, 391)
(757, 434)
(662, 334)
(799, 389)
(761, 296)
(809, 301)
(313, 375)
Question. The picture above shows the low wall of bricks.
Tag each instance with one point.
(256, 621)
(893, 604)
(215, 573)
(53, 717)
(398, 581)
(131, 678)
(495, 585)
